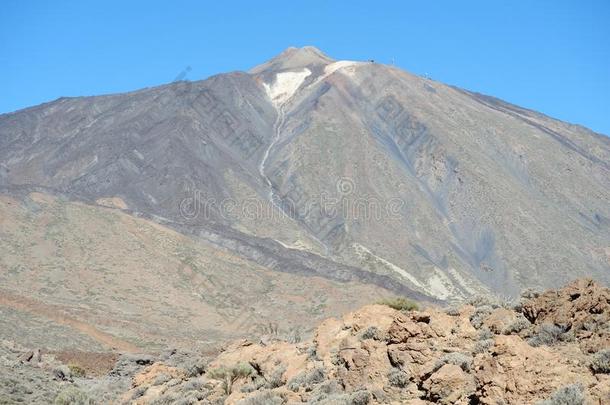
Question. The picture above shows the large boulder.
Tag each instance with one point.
(450, 385)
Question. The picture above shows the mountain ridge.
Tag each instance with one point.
(452, 158)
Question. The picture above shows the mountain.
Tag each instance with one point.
(324, 174)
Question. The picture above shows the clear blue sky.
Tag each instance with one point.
(552, 56)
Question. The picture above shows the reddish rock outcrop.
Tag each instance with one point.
(378, 355)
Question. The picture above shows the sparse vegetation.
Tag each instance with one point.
(479, 315)
(485, 334)
(398, 378)
(464, 361)
(270, 328)
(195, 368)
(139, 391)
(485, 341)
(312, 352)
(372, 332)
(228, 375)
(161, 379)
(175, 398)
(482, 346)
(452, 311)
(530, 293)
(482, 301)
(307, 379)
(568, 395)
(324, 391)
(520, 324)
(548, 335)
(399, 303)
(375, 355)
(600, 363)
(361, 397)
(257, 383)
(76, 370)
(294, 335)
(73, 396)
(263, 398)
(276, 379)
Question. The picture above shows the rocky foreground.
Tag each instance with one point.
(550, 348)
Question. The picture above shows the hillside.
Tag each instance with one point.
(84, 277)
(547, 348)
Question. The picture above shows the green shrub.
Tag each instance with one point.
(372, 332)
(568, 395)
(257, 383)
(325, 391)
(175, 398)
(485, 333)
(464, 361)
(195, 368)
(518, 325)
(76, 370)
(73, 396)
(549, 335)
(307, 379)
(530, 293)
(138, 392)
(228, 375)
(276, 379)
(601, 362)
(479, 315)
(482, 301)
(485, 341)
(263, 398)
(161, 379)
(399, 304)
(360, 397)
(398, 378)
(312, 353)
(482, 346)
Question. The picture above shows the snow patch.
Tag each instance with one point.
(347, 67)
(333, 67)
(285, 85)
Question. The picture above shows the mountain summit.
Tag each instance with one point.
(350, 172)
(294, 58)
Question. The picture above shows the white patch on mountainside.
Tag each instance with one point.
(363, 252)
(471, 286)
(346, 67)
(437, 285)
(333, 67)
(298, 245)
(440, 285)
(285, 85)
